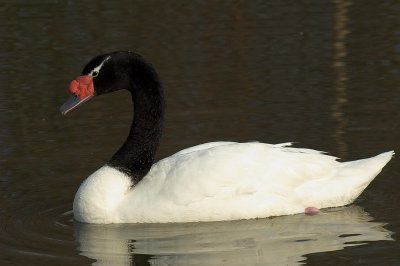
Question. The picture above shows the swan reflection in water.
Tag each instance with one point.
(279, 241)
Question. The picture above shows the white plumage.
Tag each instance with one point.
(225, 181)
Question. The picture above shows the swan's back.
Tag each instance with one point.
(226, 181)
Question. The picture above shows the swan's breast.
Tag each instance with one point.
(100, 194)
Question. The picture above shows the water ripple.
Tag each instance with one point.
(45, 237)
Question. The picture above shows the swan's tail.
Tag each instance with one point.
(375, 163)
(359, 174)
(349, 182)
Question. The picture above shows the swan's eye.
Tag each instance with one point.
(95, 71)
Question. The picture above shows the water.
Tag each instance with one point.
(323, 74)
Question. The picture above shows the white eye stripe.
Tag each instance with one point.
(96, 70)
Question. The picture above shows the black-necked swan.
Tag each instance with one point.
(210, 182)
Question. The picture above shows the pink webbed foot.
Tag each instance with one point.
(311, 211)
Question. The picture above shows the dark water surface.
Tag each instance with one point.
(325, 74)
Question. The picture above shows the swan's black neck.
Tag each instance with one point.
(136, 155)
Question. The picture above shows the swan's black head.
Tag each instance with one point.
(126, 70)
(107, 73)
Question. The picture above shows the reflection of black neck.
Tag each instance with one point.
(136, 155)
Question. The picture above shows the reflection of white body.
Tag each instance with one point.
(226, 181)
(277, 241)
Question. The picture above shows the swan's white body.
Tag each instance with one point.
(225, 181)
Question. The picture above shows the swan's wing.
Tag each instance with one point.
(234, 170)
